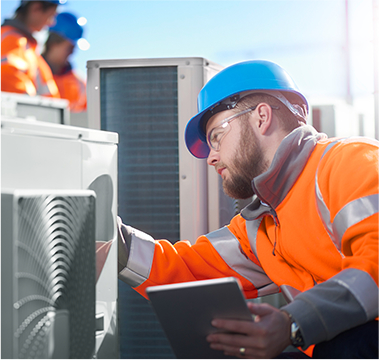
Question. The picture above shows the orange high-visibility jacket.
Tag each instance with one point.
(23, 70)
(72, 88)
(311, 232)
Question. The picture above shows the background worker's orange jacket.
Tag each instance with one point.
(311, 232)
(72, 88)
(23, 70)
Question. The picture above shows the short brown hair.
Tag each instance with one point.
(286, 118)
(23, 9)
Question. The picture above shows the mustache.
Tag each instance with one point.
(220, 165)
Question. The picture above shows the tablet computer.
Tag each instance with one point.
(185, 311)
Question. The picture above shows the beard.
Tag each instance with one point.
(248, 163)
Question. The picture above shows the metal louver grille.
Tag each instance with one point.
(55, 277)
(141, 105)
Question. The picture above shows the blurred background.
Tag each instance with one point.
(328, 46)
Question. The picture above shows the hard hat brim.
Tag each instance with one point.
(194, 137)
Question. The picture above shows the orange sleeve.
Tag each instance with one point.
(72, 88)
(15, 70)
(21, 65)
(15, 81)
(185, 262)
(48, 79)
(349, 175)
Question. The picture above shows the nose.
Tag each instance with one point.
(213, 157)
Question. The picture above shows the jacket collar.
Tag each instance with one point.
(20, 27)
(272, 186)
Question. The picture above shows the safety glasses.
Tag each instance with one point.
(216, 134)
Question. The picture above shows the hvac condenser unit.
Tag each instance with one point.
(47, 274)
(39, 108)
(164, 190)
(39, 156)
(148, 102)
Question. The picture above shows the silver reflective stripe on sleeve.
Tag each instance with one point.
(322, 209)
(351, 214)
(252, 230)
(229, 248)
(41, 87)
(324, 214)
(140, 259)
(354, 212)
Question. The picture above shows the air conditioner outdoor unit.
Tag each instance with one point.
(47, 274)
(39, 108)
(38, 156)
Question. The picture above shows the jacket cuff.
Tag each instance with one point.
(332, 307)
(124, 241)
(136, 258)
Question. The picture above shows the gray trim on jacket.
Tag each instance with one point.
(320, 313)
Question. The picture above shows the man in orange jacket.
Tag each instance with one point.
(311, 230)
(23, 70)
(61, 43)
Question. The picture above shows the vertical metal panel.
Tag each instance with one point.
(193, 172)
(140, 103)
(163, 190)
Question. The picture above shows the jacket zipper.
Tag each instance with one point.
(272, 213)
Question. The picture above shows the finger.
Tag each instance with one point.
(100, 244)
(228, 339)
(235, 326)
(232, 350)
(261, 309)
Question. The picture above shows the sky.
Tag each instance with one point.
(306, 37)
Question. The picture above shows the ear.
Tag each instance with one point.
(264, 114)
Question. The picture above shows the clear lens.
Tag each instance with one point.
(217, 133)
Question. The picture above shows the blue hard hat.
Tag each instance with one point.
(66, 25)
(226, 88)
(57, 2)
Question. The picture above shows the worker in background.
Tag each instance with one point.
(311, 230)
(61, 43)
(23, 70)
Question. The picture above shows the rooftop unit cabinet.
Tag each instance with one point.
(163, 189)
(38, 156)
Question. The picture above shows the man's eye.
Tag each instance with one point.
(216, 136)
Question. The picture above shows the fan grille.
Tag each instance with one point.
(55, 274)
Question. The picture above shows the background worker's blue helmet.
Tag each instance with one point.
(66, 25)
(225, 89)
(57, 2)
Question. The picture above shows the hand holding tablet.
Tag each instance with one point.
(186, 310)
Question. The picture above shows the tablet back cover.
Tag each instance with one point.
(185, 311)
